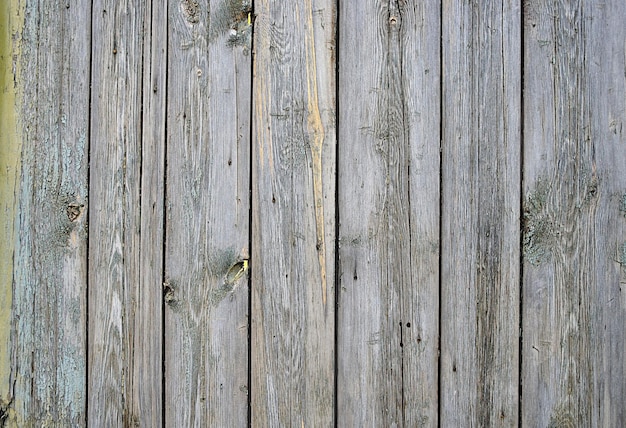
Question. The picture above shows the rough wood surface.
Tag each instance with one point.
(138, 116)
(11, 23)
(207, 207)
(388, 196)
(574, 319)
(126, 165)
(47, 345)
(146, 387)
(480, 276)
(293, 214)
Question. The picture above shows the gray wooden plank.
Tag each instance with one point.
(387, 331)
(293, 216)
(46, 264)
(146, 368)
(207, 213)
(574, 319)
(480, 276)
(125, 222)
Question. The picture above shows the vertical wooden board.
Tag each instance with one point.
(574, 214)
(387, 331)
(293, 216)
(480, 277)
(146, 388)
(125, 288)
(415, 62)
(47, 345)
(207, 208)
(11, 24)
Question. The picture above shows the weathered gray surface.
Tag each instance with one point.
(125, 218)
(47, 331)
(146, 387)
(574, 320)
(167, 137)
(480, 276)
(293, 214)
(207, 206)
(388, 200)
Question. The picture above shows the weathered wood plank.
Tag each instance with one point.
(480, 277)
(11, 24)
(146, 389)
(574, 335)
(125, 222)
(293, 217)
(387, 338)
(207, 207)
(47, 264)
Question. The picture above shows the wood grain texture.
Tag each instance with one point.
(387, 332)
(125, 223)
(11, 24)
(47, 345)
(207, 208)
(293, 215)
(480, 277)
(146, 388)
(574, 319)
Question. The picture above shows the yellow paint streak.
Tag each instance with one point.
(11, 22)
(316, 130)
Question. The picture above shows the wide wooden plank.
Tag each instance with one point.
(388, 196)
(293, 216)
(207, 208)
(44, 211)
(574, 214)
(126, 216)
(480, 276)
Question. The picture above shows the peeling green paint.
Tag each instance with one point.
(11, 22)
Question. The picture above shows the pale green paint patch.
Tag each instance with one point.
(10, 148)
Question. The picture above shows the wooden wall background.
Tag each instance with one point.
(429, 196)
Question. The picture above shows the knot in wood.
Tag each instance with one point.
(73, 211)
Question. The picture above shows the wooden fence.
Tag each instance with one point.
(313, 213)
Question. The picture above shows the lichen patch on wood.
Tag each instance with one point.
(622, 205)
(190, 10)
(538, 228)
(233, 18)
(562, 418)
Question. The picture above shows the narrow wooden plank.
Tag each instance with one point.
(575, 214)
(146, 368)
(387, 338)
(208, 170)
(480, 277)
(293, 217)
(47, 345)
(11, 24)
(125, 241)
